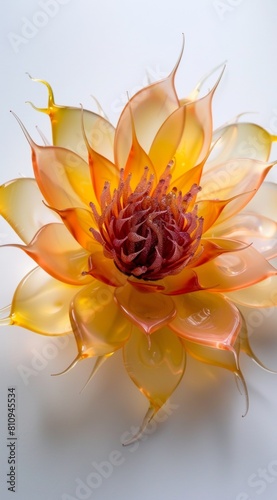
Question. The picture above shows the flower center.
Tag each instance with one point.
(150, 232)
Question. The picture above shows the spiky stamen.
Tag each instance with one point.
(150, 233)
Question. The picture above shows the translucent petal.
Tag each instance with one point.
(231, 179)
(25, 193)
(99, 326)
(210, 210)
(67, 133)
(232, 271)
(104, 269)
(102, 170)
(62, 176)
(247, 349)
(155, 368)
(149, 311)
(184, 282)
(265, 201)
(148, 108)
(211, 248)
(41, 304)
(57, 252)
(263, 294)
(252, 229)
(185, 137)
(207, 319)
(240, 140)
(79, 221)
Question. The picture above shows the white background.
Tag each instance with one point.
(204, 449)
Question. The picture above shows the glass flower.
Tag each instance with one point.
(148, 236)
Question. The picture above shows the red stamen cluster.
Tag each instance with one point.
(148, 232)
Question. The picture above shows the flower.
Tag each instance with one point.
(148, 236)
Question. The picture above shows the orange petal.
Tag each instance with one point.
(210, 210)
(214, 247)
(25, 193)
(79, 221)
(207, 319)
(232, 271)
(66, 125)
(102, 171)
(56, 251)
(41, 304)
(98, 324)
(184, 282)
(62, 176)
(148, 108)
(156, 368)
(231, 179)
(148, 311)
(104, 269)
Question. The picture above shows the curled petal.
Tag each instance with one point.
(263, 294)
(229, 179)
(56, 251)
(207, 319)
(240, 140)
(148, 311)
(98, 324)
(148, 109)
(102, 171)
(214, 247)
(265, 201)
(184, 282)
(251, 228)
(62, 176)
(231, 271)
(24, 192)
(41, 304)
(104, 270)
(66, 124)
(79, 222)
(211, 210)
(156, 368)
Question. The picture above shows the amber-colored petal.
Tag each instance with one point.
(156, 368)
(21, 205)
(263, 294)
(210, 210)
(104, 269)
(102, 171)
(41, 304)
(252, 229)
(66, 123)
(148, 311)
(232, 178)
(206, 318)
(245, 346)
(99, 326)
(265, 201)
(137, 161)
(148, 108)
(213, 247)
(240, 140)
(79, 221)
(184, 282)
(62, 176)
(57, 252)
(232, 271)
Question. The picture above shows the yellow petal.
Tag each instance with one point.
(148, 108)
(148, 311)
(156, 368)
(56, 251)
(79, 221)
(104, 269)
(19, 193)
(98, 324)
(67, 133)
(41, 304)
(263, 294)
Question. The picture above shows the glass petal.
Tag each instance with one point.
(149, 311)
(79, 221)
(207, 319)
(265, 201)
(156, 368)
(102, 171)
(184, 282)
(240, 140)
(25, 193)
(214, 247)
(104, 269)
(99, 326)
(231, 179)
(263, 294)
(232, 271)
(66, 125)
(252, 229)
(57, 252)
(148, 108)
(41, 304)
